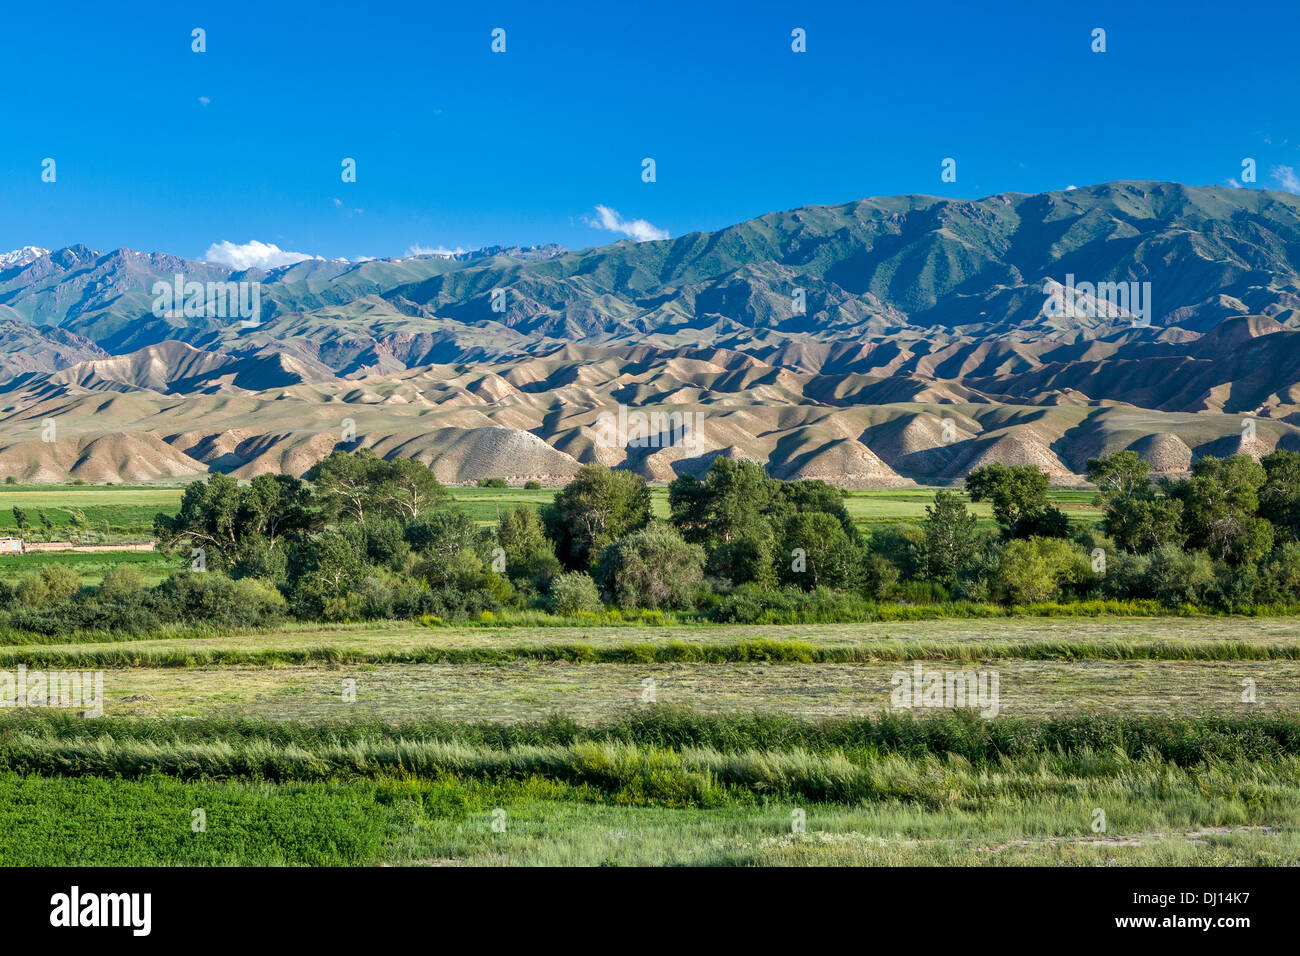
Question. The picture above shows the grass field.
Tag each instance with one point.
(90, 565)
(868, 508)
(125, 510)
(135, 507)
(668, 787)
(752, 745)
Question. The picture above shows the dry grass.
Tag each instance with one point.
(528, 689)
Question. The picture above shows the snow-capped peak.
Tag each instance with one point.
(20, 257)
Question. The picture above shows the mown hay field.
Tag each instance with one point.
(1117, 741)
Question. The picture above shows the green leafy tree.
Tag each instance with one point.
(1118, 476)
(1018, 494)
(748, 556)
(1137, 518)
(351, 486)
(903, 546)
(738, 512)
(1140, 525)
(328, 573)
(529, 553)
(817, 552)
(733, 500)
(1279, 498)
(729, 513)
(439, 537)
(950, 540)
(1279, 579)
(239, 529)
(596, 508)
(1050, 522)
(813, 496)
(386, 544)
(1220, 505)
(879, 576)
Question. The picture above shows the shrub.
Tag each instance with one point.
(376, 598)
(62, 582)
(52, 584)
(1035, 570)
(752, 604)
(32, 592)
(1127, 575)
(121, 581)
(651, 568)
(211, 597)
(921, 592)
(1176, 577)
(573, 593)
(903, 546)
(880, 576)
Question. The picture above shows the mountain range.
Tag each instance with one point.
(874, 343)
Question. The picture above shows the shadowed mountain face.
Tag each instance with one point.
(873, 343)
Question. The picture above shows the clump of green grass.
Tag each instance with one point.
(759, 650)
(733, 749)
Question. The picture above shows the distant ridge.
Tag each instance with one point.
(881, 341)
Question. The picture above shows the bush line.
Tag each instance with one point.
(763, 650)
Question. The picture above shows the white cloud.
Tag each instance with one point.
(637, 229)
(253, 255)
(1071, 188)
(415, 249)
(1285, 176)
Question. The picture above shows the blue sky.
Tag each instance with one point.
(161, 148)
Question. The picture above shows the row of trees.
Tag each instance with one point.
(363, 537)
(1227, 534)
(365, 529)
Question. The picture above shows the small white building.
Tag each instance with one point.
(11, 545)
